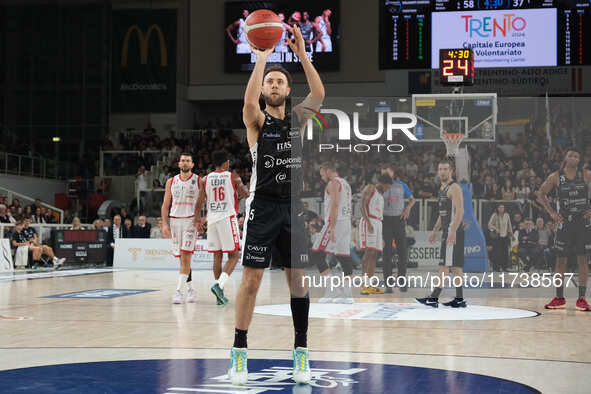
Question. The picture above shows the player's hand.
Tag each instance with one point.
(261, 53)
(587, 214)
(432, 237)
(405, 213)
(166, 231)
(369, 227)
(557, 217)
(297, 44)
(451, 238)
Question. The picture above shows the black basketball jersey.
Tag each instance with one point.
(572, 194)
(445, 207)
(277, 159)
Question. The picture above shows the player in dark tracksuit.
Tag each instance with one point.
(574, 223)
(451, 214)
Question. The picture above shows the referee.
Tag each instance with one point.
(395, 215)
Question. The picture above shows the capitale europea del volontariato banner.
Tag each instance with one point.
(144, 61)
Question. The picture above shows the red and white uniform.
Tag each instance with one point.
(223, 234)
(184, 197)
(342, 243)
(375, 210)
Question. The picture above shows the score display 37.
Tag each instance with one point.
(456, 66)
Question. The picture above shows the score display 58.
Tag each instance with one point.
(456, 66)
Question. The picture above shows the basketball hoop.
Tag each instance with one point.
(452, 142)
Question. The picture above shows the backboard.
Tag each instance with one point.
(472, 114)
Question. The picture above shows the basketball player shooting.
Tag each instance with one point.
(574, 223)
(180, 197)
(269, 222)
(451, 214)
(221, 189)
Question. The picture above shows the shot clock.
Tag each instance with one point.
(456, 66)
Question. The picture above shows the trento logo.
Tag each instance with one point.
(487, 26)
(144, 40)
(344, 131)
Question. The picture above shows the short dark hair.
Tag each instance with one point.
(186, 154)
(281, 70)
(219, 157)
(447, 160)
(385, 179)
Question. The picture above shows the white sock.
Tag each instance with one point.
(189, 284)
(222, 280)
(182, 281)
(54, 259)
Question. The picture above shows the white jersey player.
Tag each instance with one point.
(179, 202)
(370, 228)
(221, 189)
(241, 42)
(335, 236)
(324, 44)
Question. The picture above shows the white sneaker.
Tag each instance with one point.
(177, 298)
(329, 296)
(58, 262)
(346, 296)
(191, 296)
(238, 372)
(301, 365)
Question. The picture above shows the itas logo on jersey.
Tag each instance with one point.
(283, 146)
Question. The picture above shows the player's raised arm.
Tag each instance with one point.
(316, 95)
(165, 209)
(252, 116)
(542, 194)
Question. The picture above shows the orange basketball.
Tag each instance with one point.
(263, 29)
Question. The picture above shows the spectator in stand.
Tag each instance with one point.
(163, 177)
(501, 234)
(489, 189)
(116, 231)
(16, 203)
(529, 250)
(38, 217)
(157, 232)
(545, 237)
(525, 172)
(507, 192)
(4, 218)
(98, 225)
(517, 219)
(141, 229)
(124, 215)
(128, 224)
(107, 224)
(142, 182)
(49, 217)
(28, 211)
(76, 224)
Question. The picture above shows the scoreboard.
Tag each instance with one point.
(80, 246)
(502, 33)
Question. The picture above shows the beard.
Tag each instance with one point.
(274, 101)
(185, 170)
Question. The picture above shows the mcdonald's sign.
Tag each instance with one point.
(143, 41)
(143, 66)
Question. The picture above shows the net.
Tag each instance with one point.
(452, 142)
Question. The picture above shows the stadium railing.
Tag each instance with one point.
(12, 194)
(21, 165)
